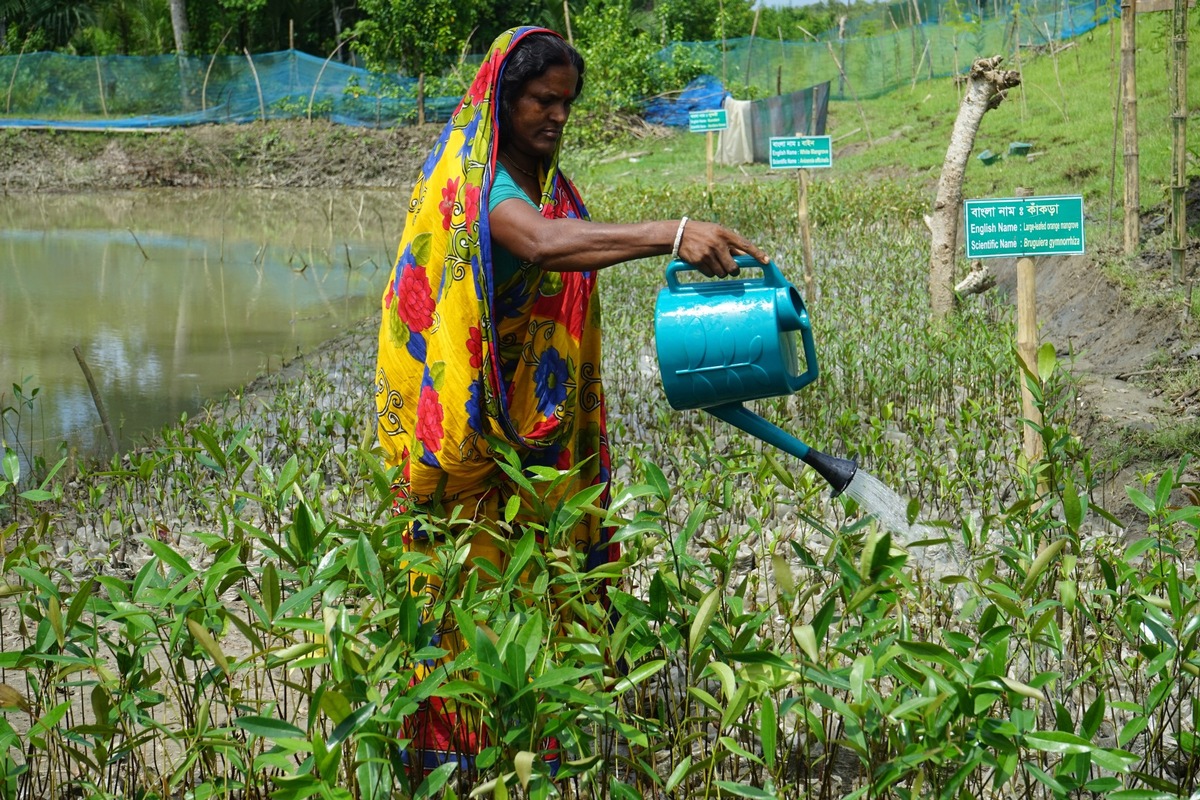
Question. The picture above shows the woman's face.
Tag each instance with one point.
(540, 112)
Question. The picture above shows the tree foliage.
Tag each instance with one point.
(420, 36)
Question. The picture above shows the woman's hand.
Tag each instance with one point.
(710, 248)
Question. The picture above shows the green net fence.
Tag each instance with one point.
(124, 91)
(868, 66)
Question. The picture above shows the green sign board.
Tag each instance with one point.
(801, 152)
(1024, 226)
(705, 121)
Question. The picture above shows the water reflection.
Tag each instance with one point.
(173, 297)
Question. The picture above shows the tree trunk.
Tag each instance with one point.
(1129, 123)
(179, 22)
(1179, 114)
(986, 88)
(337, 31)
(567, 23)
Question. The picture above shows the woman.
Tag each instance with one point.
(490, 321)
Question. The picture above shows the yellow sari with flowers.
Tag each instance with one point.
(464, 362)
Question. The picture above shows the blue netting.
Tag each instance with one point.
(127, 91)
(703, 94)
(150, 91)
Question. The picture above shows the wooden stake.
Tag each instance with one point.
(91, 382)
(810, 291)
(1027, 348)
(1132, 197)
(709, 143)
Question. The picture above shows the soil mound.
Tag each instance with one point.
(262, 155)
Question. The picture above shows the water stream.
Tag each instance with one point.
(890, 510)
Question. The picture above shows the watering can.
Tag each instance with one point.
(722, 343)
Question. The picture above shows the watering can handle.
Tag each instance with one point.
(771, 274)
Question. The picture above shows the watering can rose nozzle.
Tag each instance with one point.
(838, 472)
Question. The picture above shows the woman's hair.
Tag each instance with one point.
(530, 59)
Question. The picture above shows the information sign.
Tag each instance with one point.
(801, 152)
(705, 121)
(1024, 226)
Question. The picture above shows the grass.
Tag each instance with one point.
(1071, 129)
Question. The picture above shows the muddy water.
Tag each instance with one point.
(173, 298)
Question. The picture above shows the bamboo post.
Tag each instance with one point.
(207, 72)
(1179, 114)
(709, 144)
(1129, 123)
(100, 83)
(262, 106)
(91, 382)
(1027, 345)
(1027, 348)
(810, 291)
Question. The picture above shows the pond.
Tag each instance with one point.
(173, 298)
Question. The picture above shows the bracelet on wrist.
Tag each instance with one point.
(678, 238)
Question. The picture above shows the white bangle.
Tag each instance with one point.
(678, 238)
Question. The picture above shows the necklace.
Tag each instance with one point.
(517, 166)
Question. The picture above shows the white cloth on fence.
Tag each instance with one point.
(733, 143)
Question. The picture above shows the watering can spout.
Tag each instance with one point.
(837, 472)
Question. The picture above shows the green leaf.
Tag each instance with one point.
(927, 651)
(12, 467)
(1050, 782)
(768, 730)
(1058, 742)
(512, 507)
(269, 728)
(783, 575)
(1113, 759)
(807, 639)
(1039, 565)
(368, 567)
(1046, 361)
(705, 614)
(1131, 729)
(639, 674)
(169, 556)
(206, 640)
(678, 774)
(523, 765)
(79, 603)
(1072, 506)
(739, 790)
(659, 481)
(1140, 500)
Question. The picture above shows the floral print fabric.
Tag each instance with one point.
(463, 361)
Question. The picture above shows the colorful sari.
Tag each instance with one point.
(464, 363)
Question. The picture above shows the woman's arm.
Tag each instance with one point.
(574, 245)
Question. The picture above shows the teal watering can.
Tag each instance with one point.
(722, 343)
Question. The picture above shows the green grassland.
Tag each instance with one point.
(1064, 108)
